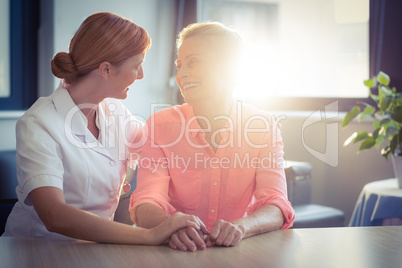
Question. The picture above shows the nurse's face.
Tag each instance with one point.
(124, 75)
(199, 70)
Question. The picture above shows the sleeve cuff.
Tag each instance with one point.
(282, 203)
(37, 182)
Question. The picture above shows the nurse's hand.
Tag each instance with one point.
(188, 239)
(176, 222)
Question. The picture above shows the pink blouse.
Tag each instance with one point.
(179, 171)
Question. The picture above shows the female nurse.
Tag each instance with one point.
(75, 146)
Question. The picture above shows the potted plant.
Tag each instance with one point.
(387, 122)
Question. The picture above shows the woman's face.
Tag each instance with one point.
(199, 70)
(125, 75)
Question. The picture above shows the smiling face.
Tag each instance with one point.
(124, 75)
(200, 72)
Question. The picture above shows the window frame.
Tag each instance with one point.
(24, 24)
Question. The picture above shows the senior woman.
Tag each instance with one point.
(213, 156)
(73, 147)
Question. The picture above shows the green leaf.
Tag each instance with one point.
(369, 83)
(350, 139)
(385, 121)
(385, 101)
(396, 114)
(385, 151)
(399, 99)
(391, 129)
(373, 96)
(350, 115)
(386, 91)
(366, 144)
(375, 133)
(393, 144)
(383, 78)
(377, 124)
(367, 112)
(380, 139)
(361, 136)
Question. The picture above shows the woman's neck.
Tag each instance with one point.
(86, 95)
(211, 109)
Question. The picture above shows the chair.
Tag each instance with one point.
(308, 215)
(8, 183)
(122, 214)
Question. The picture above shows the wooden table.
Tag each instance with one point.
(324, 247)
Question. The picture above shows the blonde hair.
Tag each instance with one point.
(228, 41)
(101, 37)
(216, 30)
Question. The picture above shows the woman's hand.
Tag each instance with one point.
(224, 233)
(163, 231)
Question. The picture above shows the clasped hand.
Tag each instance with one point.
(223, 233)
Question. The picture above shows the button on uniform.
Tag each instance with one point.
(111, 194)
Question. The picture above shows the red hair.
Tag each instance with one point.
(101, 37)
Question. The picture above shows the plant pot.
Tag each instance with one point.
(397, 163)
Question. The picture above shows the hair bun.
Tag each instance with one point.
(63, 67)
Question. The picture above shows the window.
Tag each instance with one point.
(306, 54)
(5, 51)
(18, 61)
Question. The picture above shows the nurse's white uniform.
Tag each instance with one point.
(55, 148)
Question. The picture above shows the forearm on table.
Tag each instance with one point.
(79, 224)
(82, 225)
(149, 215)
(265, 219)
(62, 218)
